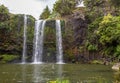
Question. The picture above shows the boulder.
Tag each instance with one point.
(116, 67)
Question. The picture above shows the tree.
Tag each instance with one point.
(116, 6)
(109, 29)
(109, 33)
(4, 17)
(116, 3)
(94, 9)
(103, 26)
(98, 8)
(64, 7)
(46, 13)
(4, 13)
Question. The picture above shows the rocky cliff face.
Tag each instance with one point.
(80, 30)
(76, 23)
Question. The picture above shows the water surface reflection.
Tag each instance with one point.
(60, 71)
(43, 73)
(37, 73)
(23, 73)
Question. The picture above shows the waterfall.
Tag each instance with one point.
(59, 42)
(38, 41)
(24, 40)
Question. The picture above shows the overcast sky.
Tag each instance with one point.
(31, 7)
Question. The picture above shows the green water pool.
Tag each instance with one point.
(49, 73)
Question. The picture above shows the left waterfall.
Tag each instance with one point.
(24, 40)
(38, 41)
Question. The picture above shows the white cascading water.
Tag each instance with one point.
(38, 41)
(59, 42)
(24, 40)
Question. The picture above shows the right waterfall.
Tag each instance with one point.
(59, 43)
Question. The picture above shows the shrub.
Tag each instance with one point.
(7, 58)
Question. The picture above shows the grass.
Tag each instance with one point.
(7, 58)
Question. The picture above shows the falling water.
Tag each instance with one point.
(24, 40)
(59, 42)
(38, 41)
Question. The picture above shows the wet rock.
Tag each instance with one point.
(116, 67)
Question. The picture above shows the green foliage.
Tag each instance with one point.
(68, 41)
(30, 29)
(54, 15)
(59, 81)
(7, 58)
(69, 54)
(49, 39)
(12, 37)
(92, 30)
(4, 13)
(90, 80)
(109, 33)
(116, 3)
(46, 13)
(105, 33)
(11, 32)
(116, 6)
(93, 3)
(117, 52)
(50, 32)
(94, 25)
(94, 8)
(108, 50)
(109, 30)
(4, 17)
(98, 8)
(97, 62)
(92, 48)
(64, 7)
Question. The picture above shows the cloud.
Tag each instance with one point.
(31, 7)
